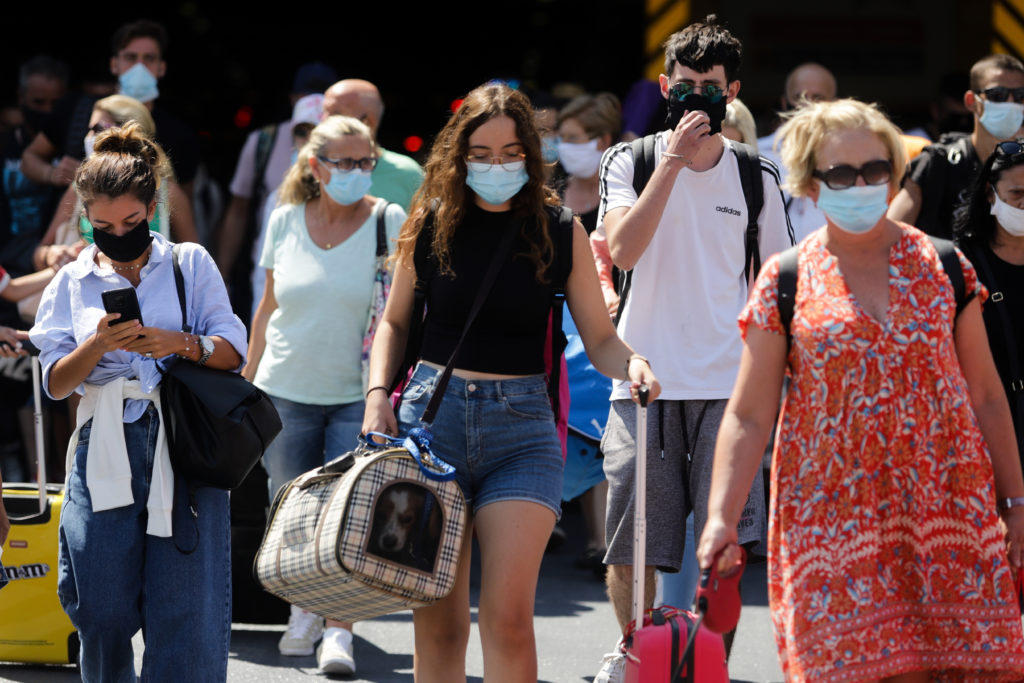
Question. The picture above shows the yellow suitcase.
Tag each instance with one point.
(33, 626)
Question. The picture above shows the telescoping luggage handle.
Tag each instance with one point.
(640, 507)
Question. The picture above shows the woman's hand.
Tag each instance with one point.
(718, 537)
(10, 347)
(379, 416)
(640, 373)
(111, 336)
(1013, 524)
(154, 342)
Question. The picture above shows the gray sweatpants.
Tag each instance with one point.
(680, 456)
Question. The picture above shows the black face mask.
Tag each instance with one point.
(125, 248)
(694, 102)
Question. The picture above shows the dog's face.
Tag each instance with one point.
(398, 515)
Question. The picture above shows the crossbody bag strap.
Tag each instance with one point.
(179, 282)
(486, 284)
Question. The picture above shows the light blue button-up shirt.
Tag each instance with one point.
(72, 306)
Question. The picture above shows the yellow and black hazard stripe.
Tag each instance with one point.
(1008, 27)
(664, 17)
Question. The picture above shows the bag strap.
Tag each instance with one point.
(951, 264)
(788, 262)
(497, 260)
(382, 237)
(563, 267)
(749, 163)
(179, 282)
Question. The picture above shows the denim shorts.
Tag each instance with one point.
(498, 434)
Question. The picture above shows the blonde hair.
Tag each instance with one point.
(739, 117)
(299, 185)
(803, 134)
(124, 162)
(123, 109)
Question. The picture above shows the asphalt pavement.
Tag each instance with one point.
(574, 624)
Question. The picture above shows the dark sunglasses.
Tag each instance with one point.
(710, 90)
(1002, 94)
(875, 172)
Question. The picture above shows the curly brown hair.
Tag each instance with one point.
(443, 198)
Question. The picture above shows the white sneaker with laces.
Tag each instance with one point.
(304, 629)
(334, 656)
(613, 668)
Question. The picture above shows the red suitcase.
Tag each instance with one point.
(671, 645)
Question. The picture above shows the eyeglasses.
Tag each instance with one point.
(709, 90)
(875, 172)
(99, 128)
(506, 161)
(348, 163)
(1001, 94)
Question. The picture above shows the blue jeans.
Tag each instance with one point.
(310, 436)
(498, 434)
(115, 579)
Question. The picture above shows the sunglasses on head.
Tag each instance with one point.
(1001, 94)
(1009, 148)
(709, 90)
(877, 172)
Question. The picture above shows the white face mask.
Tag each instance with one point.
(1010, 218)
(580, 159)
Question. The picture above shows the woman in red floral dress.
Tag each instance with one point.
(887, 557)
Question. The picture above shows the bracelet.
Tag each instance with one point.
(188, 340)
(677, 156)
(373, 389)
(635, 356)
(1007, 503)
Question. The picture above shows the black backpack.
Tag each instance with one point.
(788, 280)
(749, 162)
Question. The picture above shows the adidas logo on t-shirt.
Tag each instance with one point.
(726, 209)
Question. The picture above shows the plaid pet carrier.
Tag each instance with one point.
(375, 531)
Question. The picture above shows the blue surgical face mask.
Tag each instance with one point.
(498, 183)
(855, 209)
(139, 83)
(348, 187)
(1002, 119)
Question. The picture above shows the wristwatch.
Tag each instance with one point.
(206, 347)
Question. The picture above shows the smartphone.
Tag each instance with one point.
(124, 301)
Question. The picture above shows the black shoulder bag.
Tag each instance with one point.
(217, 423)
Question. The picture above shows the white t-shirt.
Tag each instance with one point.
(688, 286)
(804, 215)
(315, 337)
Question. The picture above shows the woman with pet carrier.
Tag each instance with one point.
(126, 514)
(485, 178)
(895, 457)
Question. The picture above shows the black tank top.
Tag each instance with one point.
(509, 332)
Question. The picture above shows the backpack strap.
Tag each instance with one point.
(749, 162)
(951, 264)
(644, 162)
(789, 260)
(563, 236)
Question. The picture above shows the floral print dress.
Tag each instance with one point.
(885, 549)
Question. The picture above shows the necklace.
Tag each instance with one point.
(140, 264)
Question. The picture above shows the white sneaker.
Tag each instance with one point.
(304, 629)
(334, 656)
(613, 668)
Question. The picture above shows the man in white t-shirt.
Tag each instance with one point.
(683, 238)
